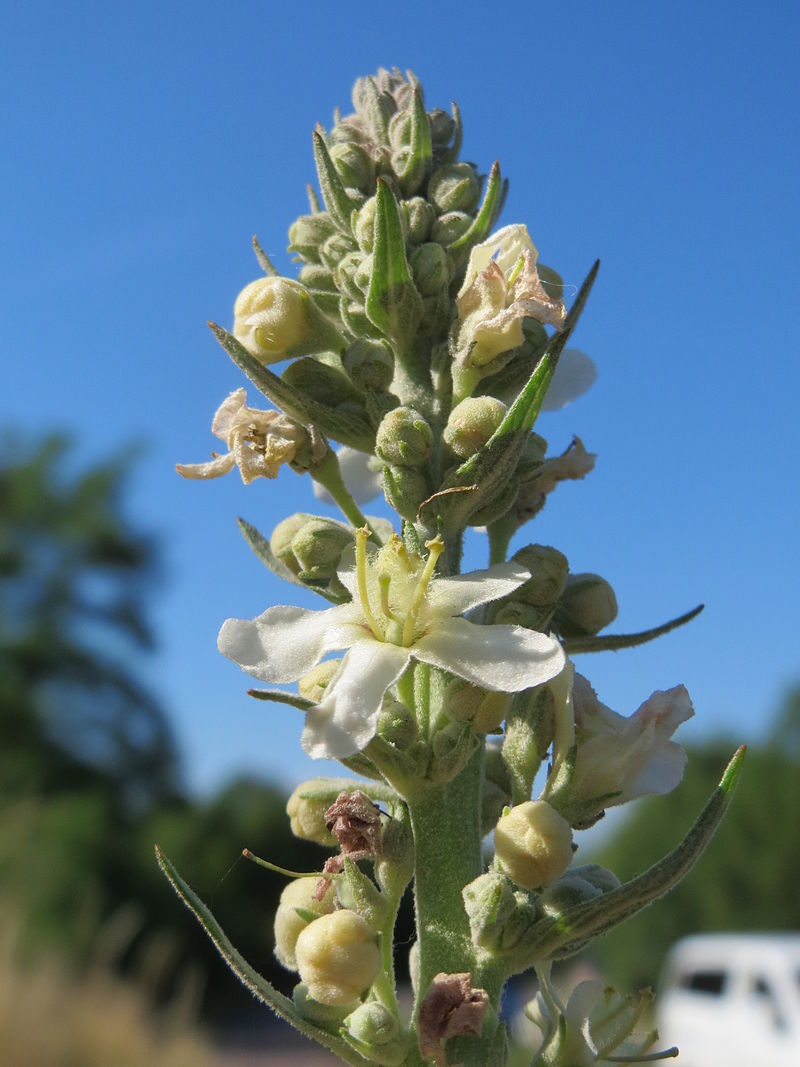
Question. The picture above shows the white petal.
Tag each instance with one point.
(505, 658)
(286, 642)
(360, 473)
(347, 718)
(454, 596)
(214, 468)
(228, 414)
(662, 773)
(575, 373)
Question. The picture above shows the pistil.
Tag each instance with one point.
(435, 549)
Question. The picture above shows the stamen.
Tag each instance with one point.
(361, 577)
(384, 581)
(516, 270)
(435, 549)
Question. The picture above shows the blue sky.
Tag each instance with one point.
(145, 144)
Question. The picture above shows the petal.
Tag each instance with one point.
(347, 718)
(214, 468)
(286, 642)
(504, 658)
(228, 414)
(662, 773)
(454, 596)
(575, 373)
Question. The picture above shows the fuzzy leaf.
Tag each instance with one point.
(393, 303)
(348, 429)
(260, 545)
(258, 986)
(294, 700)
(484, 220)
(420, 148)
(334, 195)
(613, 642)
(264, 261)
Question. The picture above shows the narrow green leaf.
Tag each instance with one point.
(419, 158)
(338, 203)
(484, 220)
(578, 924)
(614, 642)
(260, 546)
(393, 303)
(294, 700)
(348, 429)
(264, 261)
(450, 154)
(313, 200)
(258, 986)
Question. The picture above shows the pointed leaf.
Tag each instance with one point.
(419, 158)
(450, 154)
(258, 986)
(334, 194)
(484, 220)
(393, 303)
(313, 200)
(294, 700)
(613, 642)
(264, 261)
(348, 429)
(260, 545)
(576, 925)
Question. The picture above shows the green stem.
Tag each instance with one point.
(500, 534)
(329, 476)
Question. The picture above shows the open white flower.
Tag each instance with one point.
(617, 758)
(501, 288)
(399, 610)
(258, 442)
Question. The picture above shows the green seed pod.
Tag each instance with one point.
(455, 187)
(317, 546)
(587, 605)
(419, 217)
(312, 686)
(308, 233)
(430, 268)
(472, 423)
(404, 438)
(405, 489)
(370, 364)
(450, 227)
(548, 568)
(355, 165)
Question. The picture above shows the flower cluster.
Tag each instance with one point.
(424, 343)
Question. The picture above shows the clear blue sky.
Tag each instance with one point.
(144, 144)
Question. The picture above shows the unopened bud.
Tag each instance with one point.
(322, 286)
(404, 438)
(484, 709)
(442, 126)
(397, 724)
(275, 318)
(533, 844)
(533, 456)
(548, 568)
(355, 165)
(290, 922)
(338, 957)
(312, 686)
(370, 364)
(372, 1024)
(419, 218)
(306, 809)
(517, 613)
(405, 489)
(587, 605)
(472, 423)
(455, 187)
(364, 225)
(281, 540)
(497, 507)
(431, 269)
(317, 546)
(334, 249)
(498, 916)
(308, 233)
(450, 227)
(326, 1015)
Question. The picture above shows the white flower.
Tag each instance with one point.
(617, 758)
(258, 442)
(501, 288)
(360, 473)
(399, 610)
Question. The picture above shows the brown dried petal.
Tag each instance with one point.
(449, 1008)
(355, 822)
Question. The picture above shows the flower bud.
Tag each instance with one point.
(320, 381)
(321, 285)
(450, 227)
(275, 318)
(308, 233)
(498, 916)
(334, 249)
(517, 613)
(484, 709)
(325, 1015)
(405, 489)
(338, 957)
(533, 844)
(281, 540)
(364, 225)
(370, 364)
(532, 458)
(455, 187)
(289, 922)
(400, 130)
(404, 438)
(349, 278)
(355, 165)
(397, 724)
(306, 809)
(419, 217)
(587, 605)
(317, 546)
(472, 423)
(548, 568)
(442, 126)
(430, 268)
(312, 686)
(373, 1029)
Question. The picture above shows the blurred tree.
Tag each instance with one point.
(747, 879)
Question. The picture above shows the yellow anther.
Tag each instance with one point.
(361, 578)
(435, 549)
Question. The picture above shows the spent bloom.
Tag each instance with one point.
(399, 610)
(258, 442)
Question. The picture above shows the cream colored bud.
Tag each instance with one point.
(289, 923)
(271, 318)
(306, 810)
(533, 844)
(312, 685)
(338, 957)
(472, 423)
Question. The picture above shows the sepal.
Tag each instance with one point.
(393, 303)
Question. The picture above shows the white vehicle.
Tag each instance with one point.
(732, 1000)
